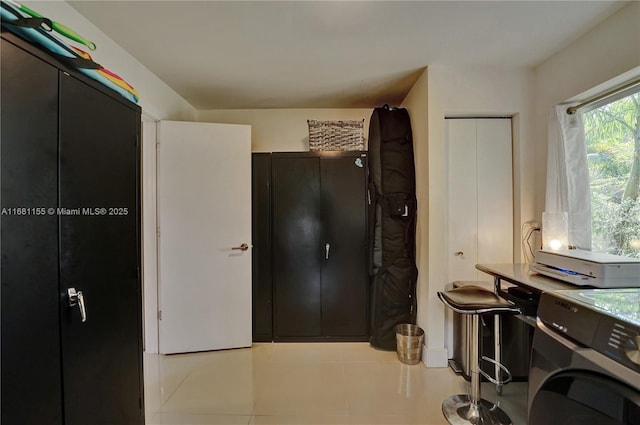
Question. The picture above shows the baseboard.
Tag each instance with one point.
(433, 357)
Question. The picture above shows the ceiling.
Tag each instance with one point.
(330, 54)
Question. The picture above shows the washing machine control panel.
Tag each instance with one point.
(569, 318)
(618, 341)
(591, 326)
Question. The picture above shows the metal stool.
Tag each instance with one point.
(471, 409)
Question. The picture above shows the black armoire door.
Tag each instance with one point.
(30, 368)
(296, 251)
(101, 365)
(69, 195)
(261, 288)
(319, 246)
(344, 229)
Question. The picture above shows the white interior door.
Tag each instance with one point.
(463, 199)
(204, 212)
(480, 195)
(495, 191)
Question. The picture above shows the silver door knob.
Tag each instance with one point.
(77, 298)
(242, 247)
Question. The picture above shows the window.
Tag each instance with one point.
(612, 134)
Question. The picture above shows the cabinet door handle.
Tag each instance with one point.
(459, 254)
(326, 251)
(242, 247)
(77, 298)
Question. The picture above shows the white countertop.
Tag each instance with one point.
(523, 275)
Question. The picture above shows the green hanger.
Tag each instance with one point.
(56, 26)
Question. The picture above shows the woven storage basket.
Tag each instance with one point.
(336, 135)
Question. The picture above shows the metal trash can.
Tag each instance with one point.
(409, 341)
(461, 361)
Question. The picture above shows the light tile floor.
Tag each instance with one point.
(304, 384)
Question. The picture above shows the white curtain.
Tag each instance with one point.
(568, 175)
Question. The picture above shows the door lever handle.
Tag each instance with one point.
(242, 247)
(326, 251)
(77, 298)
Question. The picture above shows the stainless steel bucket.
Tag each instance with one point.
(409, 341)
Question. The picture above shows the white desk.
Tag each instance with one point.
(522, 275)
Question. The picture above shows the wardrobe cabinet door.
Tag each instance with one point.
(262, 288)
(344, 268)
(297, 252)
(31, 385)
(99, 255)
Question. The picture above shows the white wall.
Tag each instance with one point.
(282, 130)
(416, 102)
(471, 91)
(156, 98)
(609, 50)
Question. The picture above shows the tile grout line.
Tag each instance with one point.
(253, 411)
(174, 391)
(344, 379)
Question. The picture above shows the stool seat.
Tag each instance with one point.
(476, 300)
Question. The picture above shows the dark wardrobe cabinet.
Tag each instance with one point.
(318, 241)
(70, 219)
(262, 287)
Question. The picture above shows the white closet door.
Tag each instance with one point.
(480, 196)
(495, 191)
(204, 207)
(463, 199)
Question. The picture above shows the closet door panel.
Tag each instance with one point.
(463, 199)
(101, 358)
(495, 191)
(296, 247)
(31, 384)
(344, 277)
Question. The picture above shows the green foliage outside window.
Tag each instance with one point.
(613, 152)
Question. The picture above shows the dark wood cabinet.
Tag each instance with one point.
(70, 219)
(319, 246)
(30, 299)
(262, 288)
(343, 271)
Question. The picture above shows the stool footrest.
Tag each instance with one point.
(496, 380)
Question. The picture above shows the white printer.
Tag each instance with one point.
(581, 267)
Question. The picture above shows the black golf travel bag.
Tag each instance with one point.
(392, 220)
